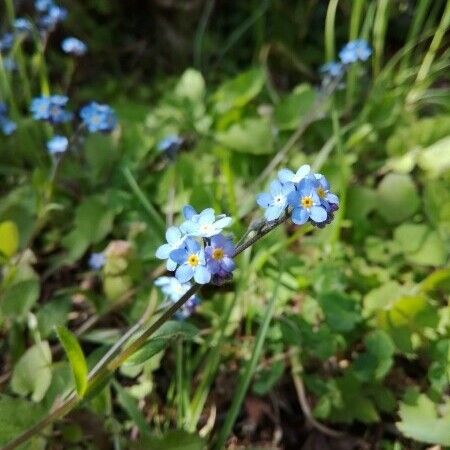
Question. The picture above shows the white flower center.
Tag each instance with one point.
(278, 200)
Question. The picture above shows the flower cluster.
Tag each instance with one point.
(306, 196)
(51, 108)
(73, 46)
(98, 117)
(7, 126)
(50, 14)
(197, 249)
(352, 52)
(174, 290)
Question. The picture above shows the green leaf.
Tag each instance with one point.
(172, 440)
(420, 420)
(239, 91)
(191, 85)
(397, 198)
(32, 373)
(76, 358)
(19, 298)
(432, 252)
(248, 136)
(9, 238)
(381, 297)
(294, 107)
(340, 311)
(16, 415)
(161, 339)
(410, 237)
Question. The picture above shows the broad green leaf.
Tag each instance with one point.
(435, 159)
(76, 359)
(239, 91)
(248, 136)
(32, 373)
(16, 415)
(397, 198)
(432, 252)
(53, 313)
(191, 85)
(9, 238)
(425, 421)
(294, 107)
(410, 236)
(381, 297)
(19, 298)
(340, 311)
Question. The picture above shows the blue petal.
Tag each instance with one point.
(179, 255)
(171, 265)
(192, 245)
(293, 198)
(189, 212)
(273, 212)
(299, 216)
(173, 234)
(224, 222)
(163, 251)
(202, 275)
(264, 199)
(206, 216)
(318, 214)
(275, 188)
(285, 175)
(332, 198)
(184, 273)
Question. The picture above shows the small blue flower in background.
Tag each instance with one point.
(192, 263)
(204, 224)
(306, 203)
(353, 51)
(219, 256)
(288, 176)
(7, 126)
(50, 108)
(96, 261)
(57, 144)
(98, 117)
(22, 25)
(172, 288)
(175, 239)
(328, 200)
(276, 200)
(6, 41)
(43, 5)
(73, 46)
(170, 145)
(332, 69)
(53, 15)
(9, 64)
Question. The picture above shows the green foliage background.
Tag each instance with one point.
(356, 315)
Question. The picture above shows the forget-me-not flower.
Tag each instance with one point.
(276, 200)
(353, 51)
(306, 203)
(6, 41)
(73, 46)
(191, 263)
(175, 239)
(53, 15)
(98, 117)
(219, 256)
(7, 126)
(96, 261)
(328, 200)
(204, 224)
(23, 25)
(50, 108)
(43, 5)
(169, 142)
(332, 69)
(57, 144)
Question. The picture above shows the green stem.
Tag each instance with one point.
(330, 50)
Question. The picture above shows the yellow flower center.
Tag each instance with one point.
(321, 192)
(306, 201)
(193, 260)
(217, 254)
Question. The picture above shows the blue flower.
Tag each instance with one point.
(6, 41)
(43, 5)
(50, 108)
(175, 239)
(332, 69)
(288, 176)
(53, 15)
(57, 144)
(219, 256)
(98, 117)
(275, 201)
(204, 224)
(306, 203)
(73, 46)
(22, 25)
(170, 145)
(328, 200)
(353, 51)
(96, 261)
(7, 126)
(174, 290)
(192, 263)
